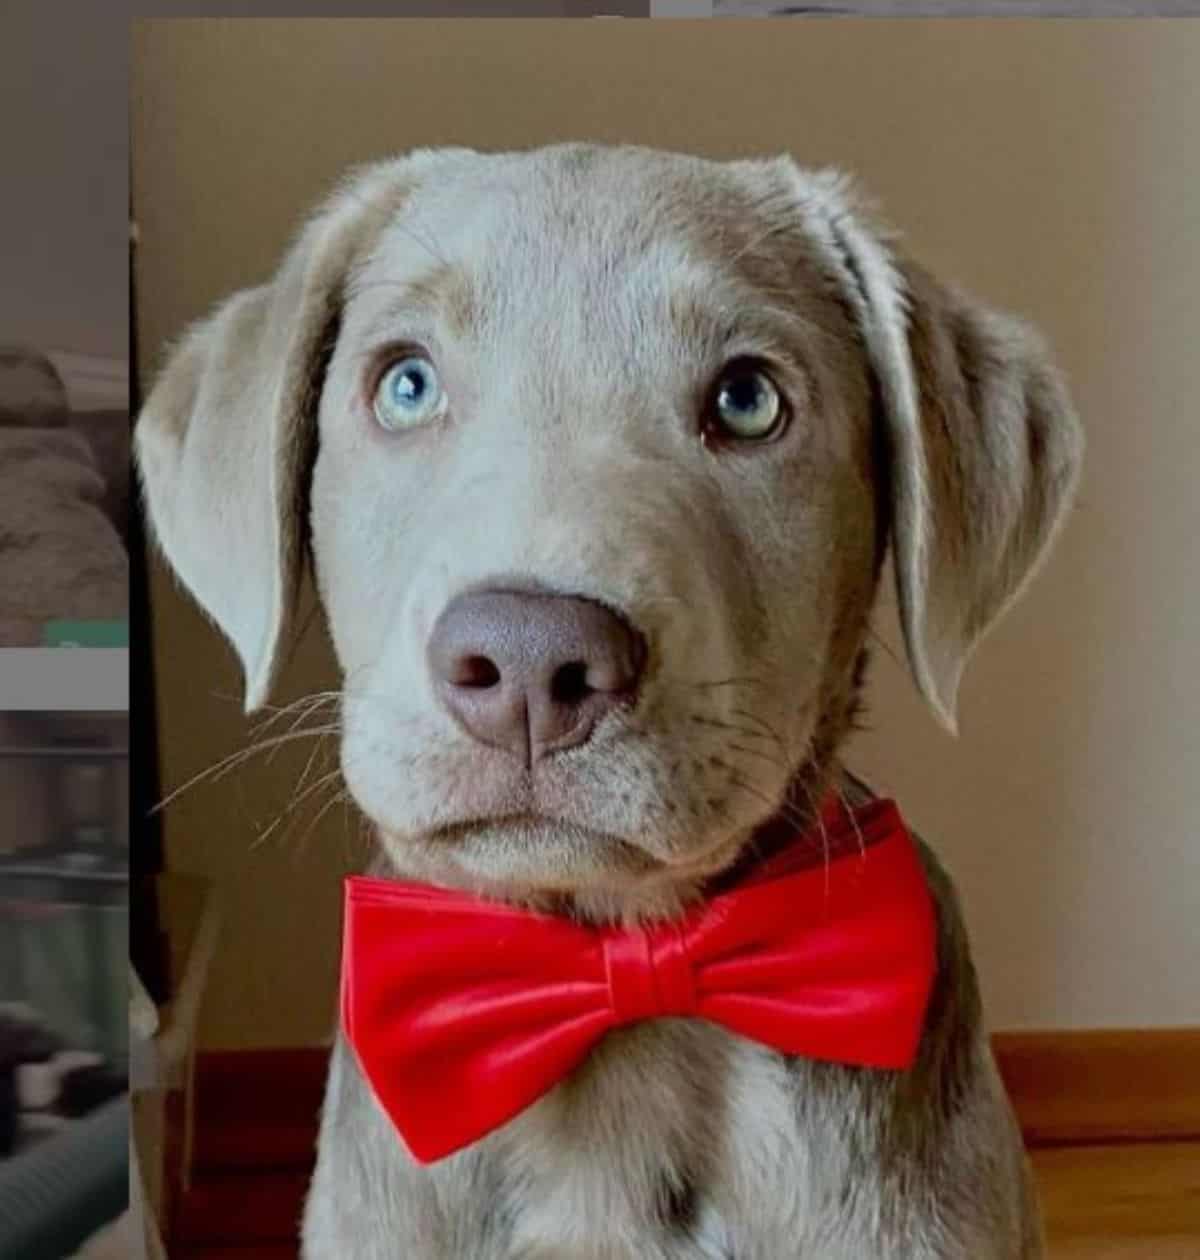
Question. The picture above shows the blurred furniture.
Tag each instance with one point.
(64, 884)
(162, 1064)
(108, 434)
(33, 395)
(58, 1193)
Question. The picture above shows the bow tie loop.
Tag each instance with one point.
(649, 973)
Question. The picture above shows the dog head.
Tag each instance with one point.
(597, 453)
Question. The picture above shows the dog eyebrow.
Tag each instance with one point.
(718, 327)
(717, 321)
(444, 292)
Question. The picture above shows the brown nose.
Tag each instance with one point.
(531, 673)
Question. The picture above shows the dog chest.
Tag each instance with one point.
(676, 1141)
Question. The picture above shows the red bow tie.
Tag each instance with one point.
(463, 1012)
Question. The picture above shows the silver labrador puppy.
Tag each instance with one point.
(597, 453)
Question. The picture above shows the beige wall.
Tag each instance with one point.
(1050, 166)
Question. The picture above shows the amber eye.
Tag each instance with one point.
(747, 406)
(409, 394)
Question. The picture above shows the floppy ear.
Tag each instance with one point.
(984, 448)
(226, 438)
(989, 476)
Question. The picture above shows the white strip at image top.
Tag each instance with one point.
(958, 8)
(51, 679)
(681, 8)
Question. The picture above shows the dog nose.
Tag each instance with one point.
(532, 673)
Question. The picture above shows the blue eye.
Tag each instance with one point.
(409, 394)
(747, 404)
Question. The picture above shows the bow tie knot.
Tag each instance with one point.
(649, 974)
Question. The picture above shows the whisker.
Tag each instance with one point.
(774, 762)
(748, 680)
(719, 725)
(862, 844)
(792, 815)
(824, 833)
(764, 724)
(221, 768)
(301, 709)
(330, 777)
(308, 704)
(317, 747)
(323, 782)
(887, 647)
(783, 807)
(339, 798)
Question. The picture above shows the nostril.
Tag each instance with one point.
(569, 685)
(532, 673)
(479, 672)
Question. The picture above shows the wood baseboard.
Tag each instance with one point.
(260, 1107)
(1103, 1085)
(257, 1113)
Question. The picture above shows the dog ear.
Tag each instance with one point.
(226, 438)
(984, 448)
(985, 480)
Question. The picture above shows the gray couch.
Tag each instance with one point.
(64, 503)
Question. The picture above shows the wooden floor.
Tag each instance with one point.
(256, 1131)
(1135, 1202)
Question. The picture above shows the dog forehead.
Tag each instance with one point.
(603, 235)
(581, 195)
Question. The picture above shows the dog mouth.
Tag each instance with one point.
(532, 836)
(517, 822)
(532, 830)
(536, 858)
(578, 827)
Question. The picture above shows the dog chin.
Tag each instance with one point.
(558, 866)
(542, 854)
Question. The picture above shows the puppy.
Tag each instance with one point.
(598, 453)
